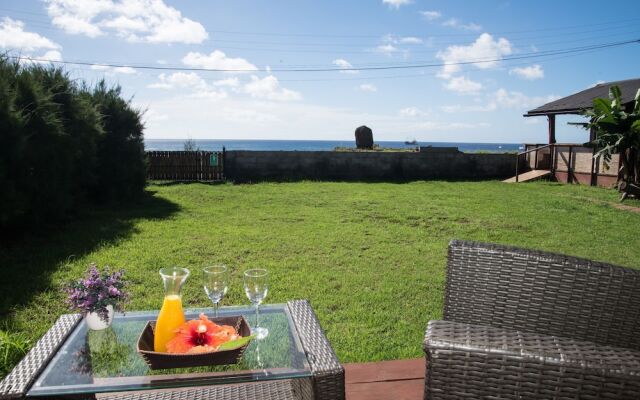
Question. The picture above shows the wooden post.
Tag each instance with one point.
(552, 128)
(222, 163)
(593, 181)
(569, 177)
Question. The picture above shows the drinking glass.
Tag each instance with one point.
(215, 284)
(256, 286)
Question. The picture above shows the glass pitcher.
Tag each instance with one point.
(171, 314)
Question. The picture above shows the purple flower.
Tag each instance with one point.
(96, 291)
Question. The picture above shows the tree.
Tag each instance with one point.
(121, 163)
(190, 145)
(617, 131)
(63, 144)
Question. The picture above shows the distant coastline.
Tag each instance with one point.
(315, 145)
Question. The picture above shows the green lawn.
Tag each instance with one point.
(369, 256)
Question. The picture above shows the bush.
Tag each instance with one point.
(63, 144)
(121, 159)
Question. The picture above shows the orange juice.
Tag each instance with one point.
(170, 318)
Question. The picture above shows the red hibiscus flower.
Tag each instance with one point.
(200, 336)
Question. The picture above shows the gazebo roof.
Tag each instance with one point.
(583, 100)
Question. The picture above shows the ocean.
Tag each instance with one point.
(315, 145)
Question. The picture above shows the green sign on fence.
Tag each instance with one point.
(213, 159)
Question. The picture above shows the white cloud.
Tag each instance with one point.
(393, 39)
(191, 82)
(452, 108)
(52, 55)
(345, 66)
(512, 99)
(412, 112)
(462, 85)
(389, 45)
(367, 87)
(501, 99)
(386, 49)
(456, 108)
(269, 88)
(246, 118)
(230, 82)
(484, 48)
(125, 70)
(531, 72)
(240, 115)
(14, 37)
(149, 21)
(219, 61)
(456, 23)
(179, 80)
(396, 3)
(431, 15)
(98, 67)
(114, 70)
(410, 40)
(448, 126)
(44, 59)
(153, 116)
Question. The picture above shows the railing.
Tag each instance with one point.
(572, 163)
(535, 163)
(187, 166)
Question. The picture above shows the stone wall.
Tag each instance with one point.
(244, 166)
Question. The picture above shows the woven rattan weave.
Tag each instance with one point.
(523, 324)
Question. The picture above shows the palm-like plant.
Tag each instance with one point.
(617, 131)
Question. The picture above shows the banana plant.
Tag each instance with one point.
(617, 131)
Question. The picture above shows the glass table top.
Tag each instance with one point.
(107, 361)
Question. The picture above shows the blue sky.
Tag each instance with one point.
(262, 41)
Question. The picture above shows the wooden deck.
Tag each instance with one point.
(529, 176)
(398, 380)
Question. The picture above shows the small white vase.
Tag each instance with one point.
(94, 322)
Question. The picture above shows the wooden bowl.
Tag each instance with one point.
(157, 360)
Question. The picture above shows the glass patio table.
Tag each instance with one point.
(72, 361)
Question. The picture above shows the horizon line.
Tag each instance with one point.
(322, 140)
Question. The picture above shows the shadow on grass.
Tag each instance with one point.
(372, 181)
(27, 262)
(178, 183)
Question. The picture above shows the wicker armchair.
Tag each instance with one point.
(522, 324)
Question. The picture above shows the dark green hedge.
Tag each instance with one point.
(63, 144)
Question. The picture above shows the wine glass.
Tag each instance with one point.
(256, 286)
(215, 284)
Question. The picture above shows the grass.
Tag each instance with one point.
(369, 256)
(13, 346)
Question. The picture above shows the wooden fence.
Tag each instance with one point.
(202, 166)
(574, 163)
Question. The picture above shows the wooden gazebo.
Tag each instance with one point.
(572, 162)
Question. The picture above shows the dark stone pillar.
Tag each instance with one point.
(364, 137)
